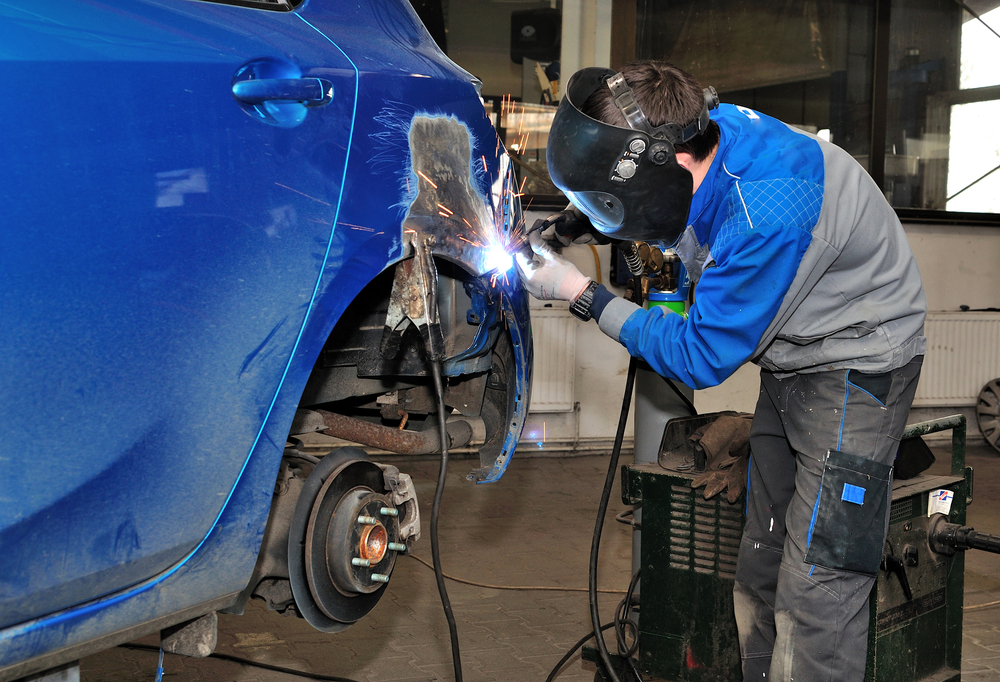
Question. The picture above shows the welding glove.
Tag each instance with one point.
(546, 274)
(569, 226)
(726, 445)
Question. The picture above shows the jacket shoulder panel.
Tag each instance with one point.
(781, 202)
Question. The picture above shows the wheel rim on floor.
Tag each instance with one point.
(988, 413)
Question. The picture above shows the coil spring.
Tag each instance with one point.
(632, 260)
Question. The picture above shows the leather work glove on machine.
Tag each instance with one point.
(726, 443)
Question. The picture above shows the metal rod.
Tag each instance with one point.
(392, 439)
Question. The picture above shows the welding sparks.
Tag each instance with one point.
(445, 208)
(429, 181)
(357, 227)
(485, 169)
(292, 189)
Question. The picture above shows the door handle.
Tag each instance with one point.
(312, 92)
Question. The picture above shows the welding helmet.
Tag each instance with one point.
(627, 180)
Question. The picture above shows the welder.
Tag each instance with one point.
(801, 267)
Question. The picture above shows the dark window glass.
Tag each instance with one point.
(910, 84)
(808, 64)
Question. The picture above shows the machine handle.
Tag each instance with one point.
(894, 565)
(312, 92)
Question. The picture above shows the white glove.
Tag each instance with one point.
(547, 275)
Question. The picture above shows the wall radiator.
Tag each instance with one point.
(963, 354)
(553, 332)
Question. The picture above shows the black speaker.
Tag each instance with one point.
(535, 34)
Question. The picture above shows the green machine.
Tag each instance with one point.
(687, 630)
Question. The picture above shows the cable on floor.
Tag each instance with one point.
(517, 588)
(573, 650)
(253, 664)
(456, 656)
(624, 621)
(595, 546)
(981, 606)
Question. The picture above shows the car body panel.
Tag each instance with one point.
(173, 275)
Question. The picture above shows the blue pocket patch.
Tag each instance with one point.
(854, 494)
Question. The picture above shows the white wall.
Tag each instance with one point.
(601, 366)
(959, 265)
(586, 35)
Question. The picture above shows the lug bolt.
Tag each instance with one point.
(379, 578)
(367, 520)
(360, 562)
(397, 547)
(388, 511)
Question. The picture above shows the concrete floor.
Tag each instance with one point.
(531, 529)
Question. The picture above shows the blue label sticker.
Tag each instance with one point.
(853, 494)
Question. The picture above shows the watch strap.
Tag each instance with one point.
(581, 306)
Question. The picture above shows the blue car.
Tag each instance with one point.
(226, 225)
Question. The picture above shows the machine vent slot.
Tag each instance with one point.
(704, 534)
(902, 509)
(681, 511)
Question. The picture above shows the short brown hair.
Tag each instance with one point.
(665, 94)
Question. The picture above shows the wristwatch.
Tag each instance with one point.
(581, 306)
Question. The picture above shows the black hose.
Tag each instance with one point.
(680, 394)
(602, 509)
(623, 620)
(456, 656)
(572, 650)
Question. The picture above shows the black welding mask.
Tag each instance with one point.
(627, 180)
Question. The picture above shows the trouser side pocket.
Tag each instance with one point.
(848, 525)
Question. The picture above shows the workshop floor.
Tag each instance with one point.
(531, 529)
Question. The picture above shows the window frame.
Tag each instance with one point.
(878, 134)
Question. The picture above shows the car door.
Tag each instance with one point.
(162, 244)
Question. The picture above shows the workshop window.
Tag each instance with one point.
(908, 87)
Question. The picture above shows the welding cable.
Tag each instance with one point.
(623, 620)
(595, 546)
(572, 650)
(456, 656)
(248, 662)
(515, 588)
(302, 456)
(684, 399)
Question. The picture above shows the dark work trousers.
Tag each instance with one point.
(800, 614)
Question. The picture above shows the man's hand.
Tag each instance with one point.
(569, 226)
(547, 275)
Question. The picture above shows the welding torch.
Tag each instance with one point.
(571, 225)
